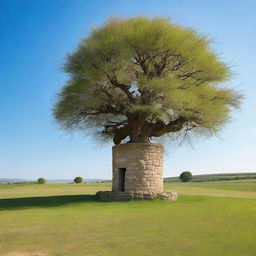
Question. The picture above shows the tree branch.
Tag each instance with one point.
(160, 128)
(123, 87)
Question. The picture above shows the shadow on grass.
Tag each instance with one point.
(44, 201)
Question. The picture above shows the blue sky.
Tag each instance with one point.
(36, 35)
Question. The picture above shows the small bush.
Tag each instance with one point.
(41, 181)
(78, 179)
(186, 176)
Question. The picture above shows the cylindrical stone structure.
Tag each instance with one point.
(138, 167)
(137, 174)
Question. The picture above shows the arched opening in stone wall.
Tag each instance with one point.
(121, 179)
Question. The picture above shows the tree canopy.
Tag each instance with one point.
(186, 176)
(139, 78)
(41, 180)
(78, 179)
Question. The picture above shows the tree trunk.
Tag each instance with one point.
(139, 132)
(139, 139)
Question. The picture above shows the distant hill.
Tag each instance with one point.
(50, 181)
(196, 178)
(64, 181)
(10, 180)
(216, 177)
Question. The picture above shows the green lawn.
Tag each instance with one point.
(209, 219)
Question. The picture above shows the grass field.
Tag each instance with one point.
(209, 219)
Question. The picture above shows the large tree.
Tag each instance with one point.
(139, 78)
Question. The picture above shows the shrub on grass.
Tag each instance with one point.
(41, 181)
(78, 179)
(186, 176)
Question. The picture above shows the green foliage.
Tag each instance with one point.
(186, 176)
(78, 180)
(140, 78)
(41, 181)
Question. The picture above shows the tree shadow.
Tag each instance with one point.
(44, 201)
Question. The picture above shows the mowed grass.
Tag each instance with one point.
(212, 219)
(236, 189)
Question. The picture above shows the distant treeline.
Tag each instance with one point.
(216, 177)
(50, 181)
(17, 182)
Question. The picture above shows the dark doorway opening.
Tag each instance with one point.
(121, 175)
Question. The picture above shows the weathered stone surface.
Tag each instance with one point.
(110, 196)
(170, 196)
(143, 178)
(144, 167)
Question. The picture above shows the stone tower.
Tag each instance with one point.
(138, 167)
(137, 173)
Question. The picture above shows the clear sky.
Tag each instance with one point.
(36, 35)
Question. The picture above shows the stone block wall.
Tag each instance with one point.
(143, 163)
(109, 196)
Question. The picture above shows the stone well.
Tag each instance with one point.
(137, 173)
